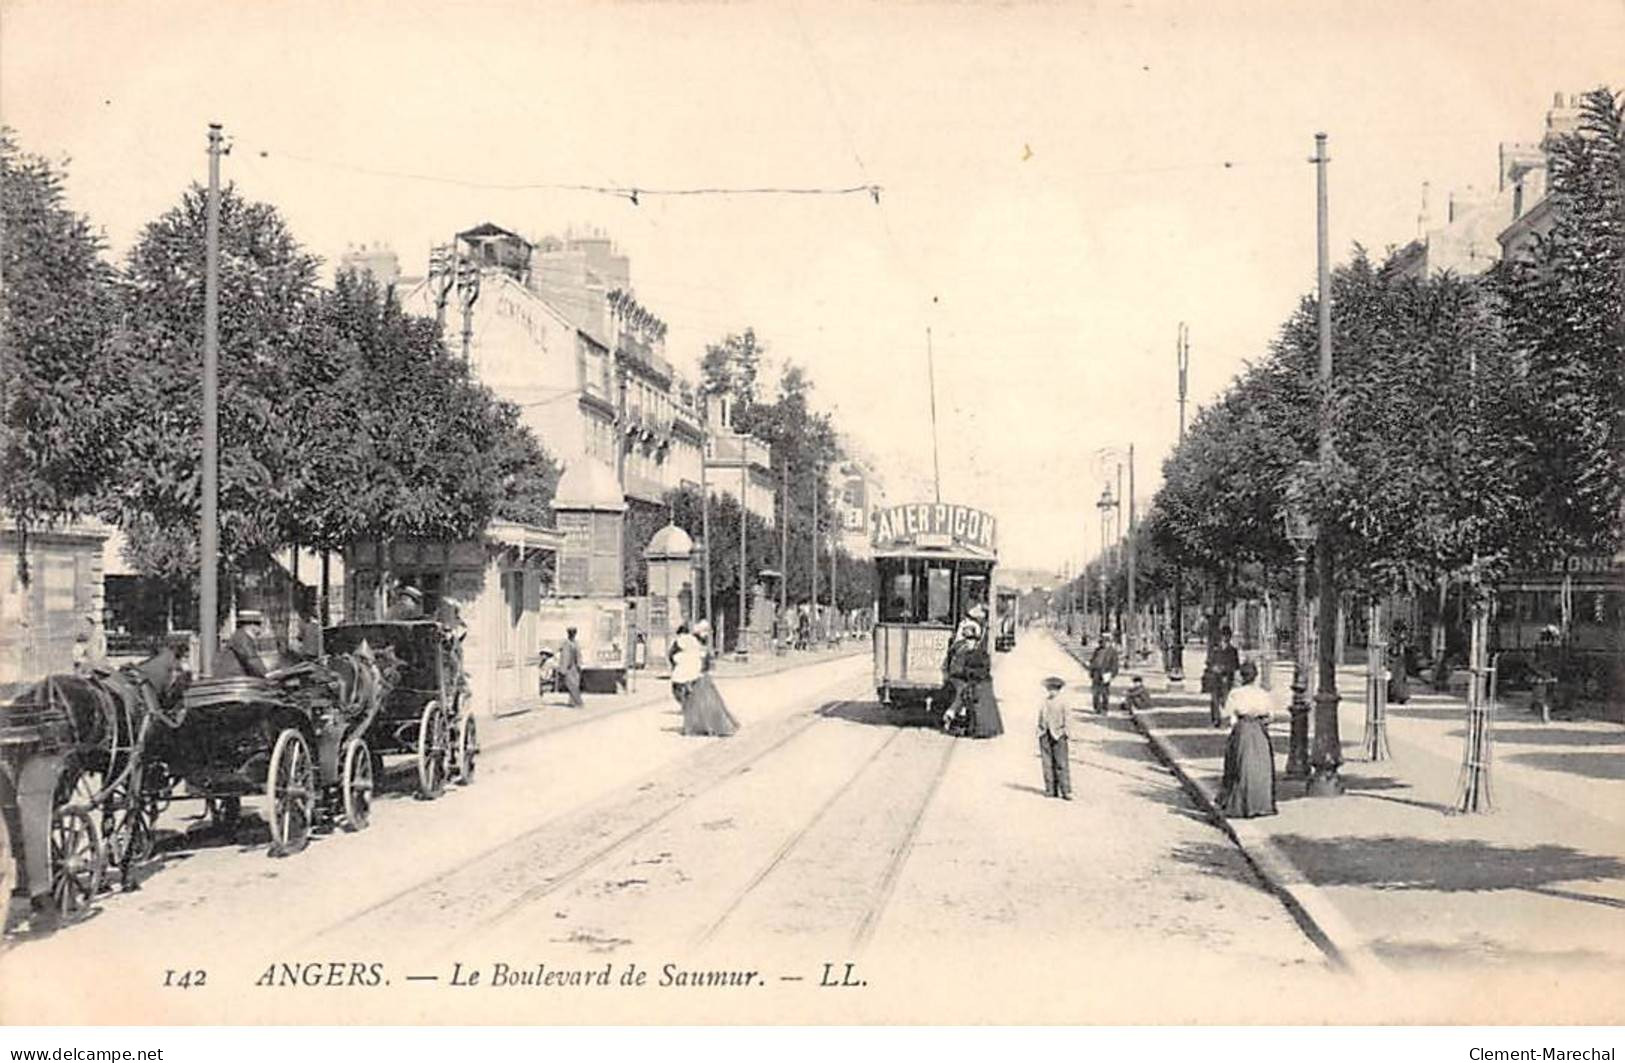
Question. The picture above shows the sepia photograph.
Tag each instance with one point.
(767, 514)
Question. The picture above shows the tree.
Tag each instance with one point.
(761, 547)
(267, 285)
(1565, 316)
(444, 455)
(731, 367)
(59, 385)
(341, 417)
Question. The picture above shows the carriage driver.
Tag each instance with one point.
(409, 606)
(249, 649)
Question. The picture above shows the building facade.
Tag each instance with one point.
(50, 600)
(860, 493)
(554, 328)
(1479, 227)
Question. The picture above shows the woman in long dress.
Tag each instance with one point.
(1248, 785)
(974, 712)
(704, 711)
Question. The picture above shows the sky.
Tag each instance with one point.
(1062, 184)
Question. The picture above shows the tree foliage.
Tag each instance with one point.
(59, 385)
(340, 416)
(1564, 308)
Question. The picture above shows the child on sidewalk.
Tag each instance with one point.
(1053, 741)
(1138, 698)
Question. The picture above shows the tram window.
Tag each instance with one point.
(939, 594)
(900, 598)
(972, 592)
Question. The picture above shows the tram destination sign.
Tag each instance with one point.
(933, 524)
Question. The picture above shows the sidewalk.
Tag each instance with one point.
(1391, 877)
(522, 720)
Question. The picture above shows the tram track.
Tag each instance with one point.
(806, 835)
(673, 791)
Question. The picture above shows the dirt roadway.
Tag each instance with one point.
(822, 835)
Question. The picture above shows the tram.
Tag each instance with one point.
(1582, 600)
(934, 565)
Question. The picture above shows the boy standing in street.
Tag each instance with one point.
(1054, 746)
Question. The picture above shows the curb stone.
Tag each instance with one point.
(1308, 906)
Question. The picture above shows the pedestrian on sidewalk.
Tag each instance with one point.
(1247, 787)
(1138, 698)
(1222, 664)
(1102, 669)
(1400, 657)
(570, 667)
(1054, 741)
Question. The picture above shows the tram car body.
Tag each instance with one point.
(934, 565)
(1583, 601)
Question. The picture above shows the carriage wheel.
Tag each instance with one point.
(225, 813)
(357, 785)
(77, 860)
(290, 794)
(468, 749)
(434, 743)
(127, 828)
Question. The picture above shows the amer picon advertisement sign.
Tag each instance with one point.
(937, 524)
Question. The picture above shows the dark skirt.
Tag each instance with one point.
(988, 722)
(1248, 786)
(704, 712)
(974, 698)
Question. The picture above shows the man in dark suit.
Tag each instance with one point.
(1223, 662)
(409, 606)
(249, 649)
(570, 667)
(1102, 667)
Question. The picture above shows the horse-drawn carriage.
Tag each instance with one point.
(425, 714)
(89, 762)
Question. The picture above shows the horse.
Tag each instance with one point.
(64, 729)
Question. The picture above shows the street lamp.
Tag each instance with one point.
(1106, 505)
(1300, 532)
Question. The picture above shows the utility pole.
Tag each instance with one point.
(705, 514)
(784, 549)
(931, 373)
(1176, 652)
(744, 486)
(1328, 748)
(209, 532)
(834, 538)
(818, 477)
(468, 293)
(1133, 615)
(1117, 546)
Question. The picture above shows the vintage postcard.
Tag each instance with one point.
(773, 513)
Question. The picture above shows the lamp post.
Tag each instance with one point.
(1300, 532)
(1106, 505)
